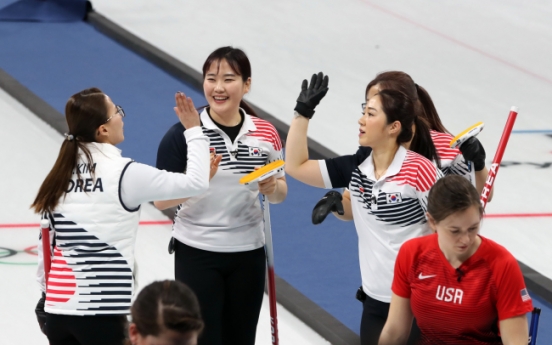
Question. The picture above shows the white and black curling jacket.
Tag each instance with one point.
(94, 227)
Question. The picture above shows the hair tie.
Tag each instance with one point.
(417, 87)
(68, 136)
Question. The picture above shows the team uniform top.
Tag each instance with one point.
(452, 160)
(464, 305)
(387, 212)
(228, 217)
(93, 228)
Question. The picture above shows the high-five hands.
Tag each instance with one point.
(311, 94)
(186, 111)
(331, 202)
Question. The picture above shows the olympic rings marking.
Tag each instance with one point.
(6, 253)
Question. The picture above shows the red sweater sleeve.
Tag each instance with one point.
(512, 296)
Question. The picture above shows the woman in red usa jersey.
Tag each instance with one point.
(388, 185)
(92, 199)
(462, 288)
(218, 236)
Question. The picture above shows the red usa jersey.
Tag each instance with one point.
(463, 305)
(452, 160)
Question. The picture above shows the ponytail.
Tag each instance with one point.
(397, 106)
(422, 142)
(431, 114)
(56, 183)
(84, 112)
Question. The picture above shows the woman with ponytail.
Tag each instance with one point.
(92, 198)
(388, 186)
(218, 237)
(165, 312)
(467, 161)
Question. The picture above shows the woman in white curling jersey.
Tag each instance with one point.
(92, 198)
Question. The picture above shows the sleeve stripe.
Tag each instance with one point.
(325, 175)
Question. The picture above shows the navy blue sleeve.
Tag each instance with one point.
(172, 154)
(340, 169)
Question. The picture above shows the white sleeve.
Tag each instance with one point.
(142, 183)
(325, 174)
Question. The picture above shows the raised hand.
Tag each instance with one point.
(311, 94)
(331, 202)
(215, 161)
(186, 111)
(472, 150)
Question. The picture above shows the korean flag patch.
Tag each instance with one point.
(393, 198)
(255, 151)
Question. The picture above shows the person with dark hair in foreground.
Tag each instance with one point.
(461, 287)
(165, 313)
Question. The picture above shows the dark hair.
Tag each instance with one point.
(451, 194)
(165, 305)
(239, 63)
(397, 106)
(424, 107)
(85, 111)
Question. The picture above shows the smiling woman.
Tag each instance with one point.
(218, 236)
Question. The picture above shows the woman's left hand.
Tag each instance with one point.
(268, 186)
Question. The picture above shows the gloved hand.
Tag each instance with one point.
(472, 150)
(311, 94)
(40, 313)
(331, 202)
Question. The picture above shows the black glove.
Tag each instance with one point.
(472, 150)
(331, 202)
(40, 313)
(311, 94)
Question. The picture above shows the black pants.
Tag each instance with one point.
(229, 287)
(86, 330)
(374, 315)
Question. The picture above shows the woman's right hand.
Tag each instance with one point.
(215, 160)
(186, 111)
(311, 94)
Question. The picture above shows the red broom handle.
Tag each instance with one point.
(47, 255)
(498, 156)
